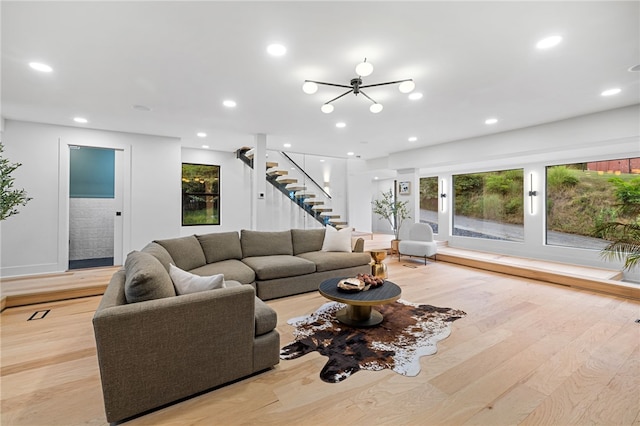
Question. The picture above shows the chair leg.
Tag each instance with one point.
(425, 260)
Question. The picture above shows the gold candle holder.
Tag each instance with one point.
(378, 269)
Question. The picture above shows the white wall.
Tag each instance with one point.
(33, 241)
(606, 135)
(235, 190)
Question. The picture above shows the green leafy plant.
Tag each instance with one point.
(10, 198)
(394, 211)
(623, 231)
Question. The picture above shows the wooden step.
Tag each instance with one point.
(271, 164)
(313, 202)
(319, 208)
(330, 215)
(342, 226)
(274, 171)
(338, 222)
(295, 187)
(304, 194)
(286, 180)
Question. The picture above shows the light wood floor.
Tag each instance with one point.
(526, 353)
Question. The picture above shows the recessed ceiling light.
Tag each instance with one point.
(415, 96)
(276, 49)
(350, 153)
(205, 146)
(40, 67)
(635, 68)
(229, 103)
(375, 177)
(322, 161)
(80, 120)
(611, 92)
(548, 42)
(412, 139)
(201, 134)
(491, 121)
(287, 145)
(341, 125)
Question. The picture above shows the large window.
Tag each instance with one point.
(583, 196)
(200, 194)
(429, 202)
(489, 205)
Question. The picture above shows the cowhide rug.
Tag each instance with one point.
(408, 332)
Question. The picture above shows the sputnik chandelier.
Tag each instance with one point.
(363, 69)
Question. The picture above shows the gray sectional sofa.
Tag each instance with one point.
(155, 347)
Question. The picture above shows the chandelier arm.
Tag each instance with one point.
(338, 97)
(328, 84)
(368, 97)
(385, 84)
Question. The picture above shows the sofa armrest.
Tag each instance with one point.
(358, 246)
(155, 352)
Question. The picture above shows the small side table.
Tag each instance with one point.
(379, 269)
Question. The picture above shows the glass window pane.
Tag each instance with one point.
(583, 196)
(489, 205)
(429, 202)
(200, 194)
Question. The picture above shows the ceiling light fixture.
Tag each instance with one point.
(229, 103)
(412, 139)
(341, 125)
(363, 69)
(80, 120)
(287, 145)
(611, 92)
(205, 146)
(491, 121)
(635, 68)
(40, 67)
(415, 96)
(276, 50)
(548, 42)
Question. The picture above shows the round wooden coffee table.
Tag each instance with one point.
(359, 311)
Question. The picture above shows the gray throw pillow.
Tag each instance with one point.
(220, 246)
(185, 251)
(146, 278)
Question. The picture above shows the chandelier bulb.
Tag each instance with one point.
(364, 69)
(309, 87)
(326, 108)
(407, 86)
(375, 108)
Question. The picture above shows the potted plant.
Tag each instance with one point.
(394, 211)
(10, 198)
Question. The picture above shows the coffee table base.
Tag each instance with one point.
(359, 316)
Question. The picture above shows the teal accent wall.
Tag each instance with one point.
(92, 173)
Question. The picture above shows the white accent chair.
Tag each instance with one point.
(417, 240)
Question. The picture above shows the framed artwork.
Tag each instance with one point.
(200, 194)
(404, 188)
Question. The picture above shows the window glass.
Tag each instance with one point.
(489, 205)
(582, 197)
(429, 202)
(200, 194)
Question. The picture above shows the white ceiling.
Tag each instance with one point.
(471, 60)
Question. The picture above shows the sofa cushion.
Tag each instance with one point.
(306, 240)
(329, 261)
(220, 246)
(335, 240)
(160, 253)
(266, 317)
(232, 269)
(279, 266)
(146, 278)
(185, 251)
(186, 282)
(262, 243)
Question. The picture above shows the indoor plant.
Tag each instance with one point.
(393, 210)
(10, 198)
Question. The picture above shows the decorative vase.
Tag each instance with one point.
(394, 246)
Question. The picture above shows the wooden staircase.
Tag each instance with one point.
(315, 205)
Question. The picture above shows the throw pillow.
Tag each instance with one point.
(186, 282)
(335, 240)
(146, 278)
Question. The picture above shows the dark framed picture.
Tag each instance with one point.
(404, 188)
(200, 194)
